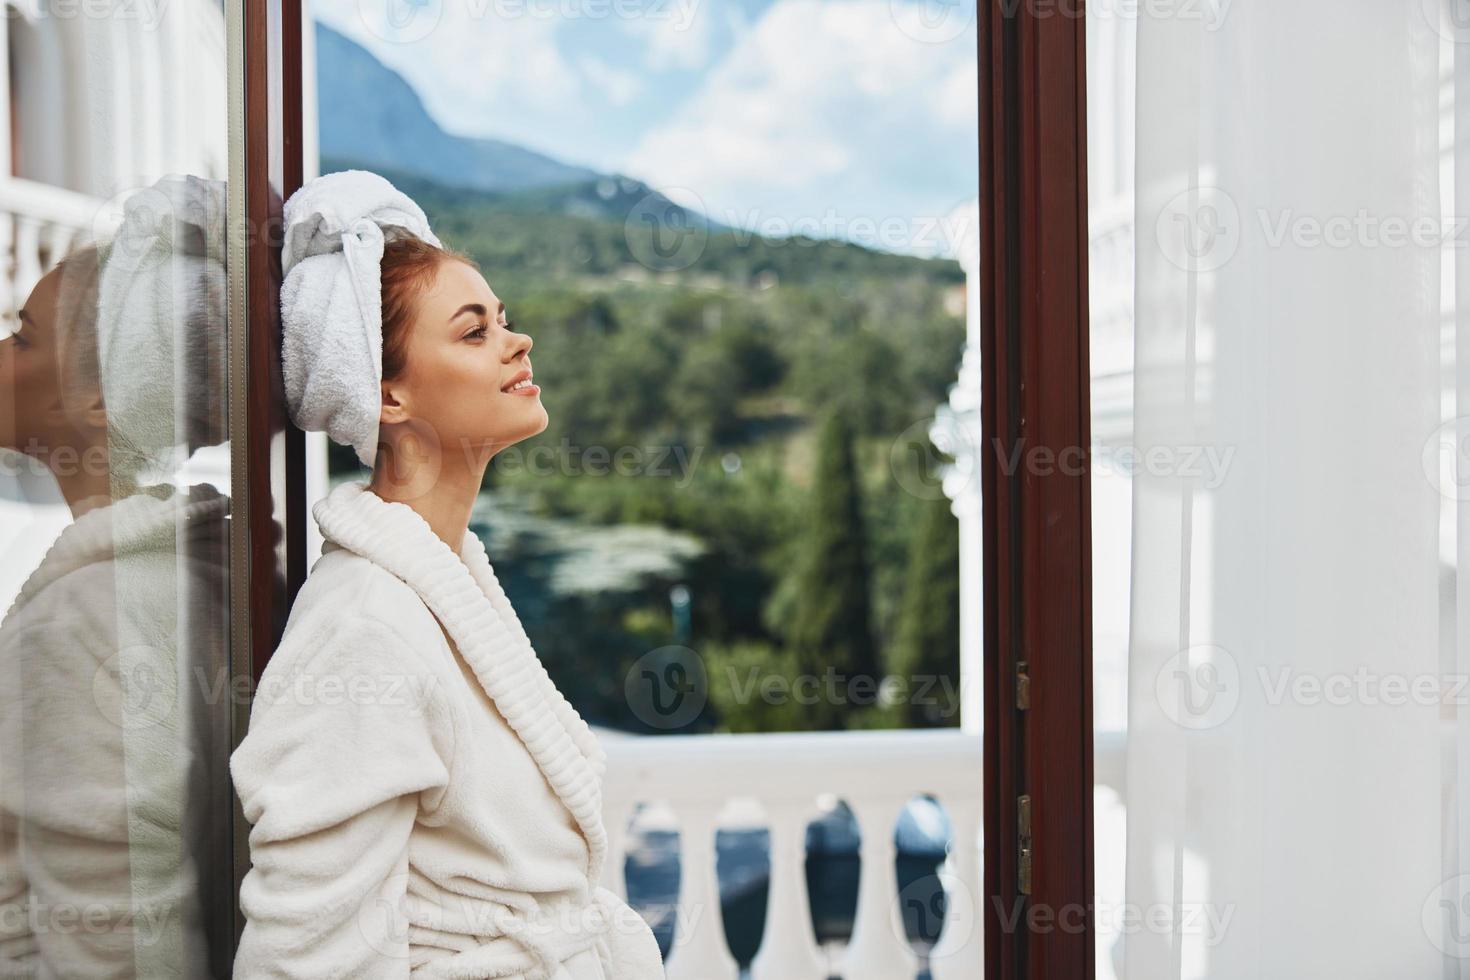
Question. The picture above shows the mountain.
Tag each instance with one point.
(370, 117)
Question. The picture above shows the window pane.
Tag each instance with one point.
(1110, 79)
(1278, 404)
(115, 805)
(743, 238)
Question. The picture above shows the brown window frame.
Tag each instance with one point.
(1037, 533)
(268, 453)
(1037, 527)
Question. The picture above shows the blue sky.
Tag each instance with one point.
(851, 119)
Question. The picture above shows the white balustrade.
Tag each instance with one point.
(789, 775)
(703, 953)
(953, 957)
(789, 948)
(39, 225)
(879, 950)
(615, 815)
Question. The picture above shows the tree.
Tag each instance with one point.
(830, 622)
(928, 643)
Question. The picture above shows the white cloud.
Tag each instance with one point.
(818, 112)
(680, 38)
(957, 103)
(470, 62)
(617, 86)
(821, 106)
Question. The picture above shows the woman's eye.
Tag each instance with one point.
(479, 331)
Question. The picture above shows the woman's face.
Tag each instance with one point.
(30, 394)
(462, 361)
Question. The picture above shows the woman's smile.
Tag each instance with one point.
(521, 385)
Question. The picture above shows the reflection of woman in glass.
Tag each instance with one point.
(424, 801)
(114, 850)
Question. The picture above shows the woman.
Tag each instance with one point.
(112, 776)
(424, 801)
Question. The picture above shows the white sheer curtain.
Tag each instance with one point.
(1291, 768)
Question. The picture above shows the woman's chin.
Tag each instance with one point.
(532, 420)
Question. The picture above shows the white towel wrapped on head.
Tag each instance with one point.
(161, 310)
(332, 303)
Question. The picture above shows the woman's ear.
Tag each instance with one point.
(394, 408)
(96, 414)
(91, 416)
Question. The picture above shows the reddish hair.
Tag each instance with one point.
(408, 270)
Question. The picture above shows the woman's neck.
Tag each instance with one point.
(443, 495)
(85, 478)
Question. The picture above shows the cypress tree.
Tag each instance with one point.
(831, 622)
(928, 641)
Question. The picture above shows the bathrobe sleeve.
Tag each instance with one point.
(346, 736)
(17, 941)
(18, 949)
(631, 945)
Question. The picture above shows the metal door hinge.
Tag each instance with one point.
(1023, 686)
(1023, 839)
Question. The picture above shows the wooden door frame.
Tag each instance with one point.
(1037, 527)
(1035, 407)
(267, 452)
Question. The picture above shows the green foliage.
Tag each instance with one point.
(928, 647)
(693, 400)
(750, 688)
(830, 623)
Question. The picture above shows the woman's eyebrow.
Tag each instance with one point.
(476, 308)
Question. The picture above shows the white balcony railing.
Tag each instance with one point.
(39, 225)
(789, 776)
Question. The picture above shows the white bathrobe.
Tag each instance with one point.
(114, 848)
(424, 801)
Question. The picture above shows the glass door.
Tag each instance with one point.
(124, 400)
(1278, 491)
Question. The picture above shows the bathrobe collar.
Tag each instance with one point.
(155, 518)
(464, 593)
